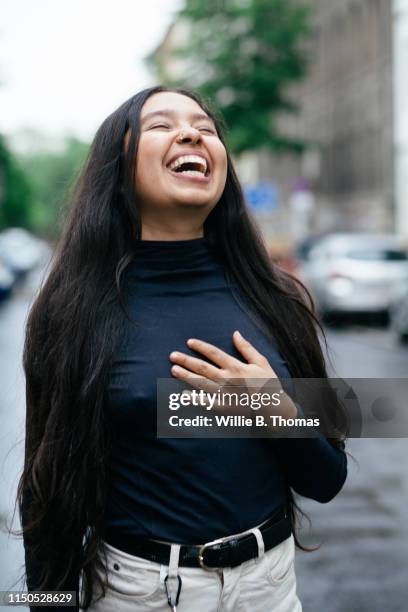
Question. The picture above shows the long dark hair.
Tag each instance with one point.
(77, 320)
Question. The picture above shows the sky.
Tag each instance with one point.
(65, 65)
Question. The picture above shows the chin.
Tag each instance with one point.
(193, 199)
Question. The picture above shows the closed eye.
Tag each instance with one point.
(159, 125)
(162, 125)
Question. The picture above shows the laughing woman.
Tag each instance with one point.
(161, 273)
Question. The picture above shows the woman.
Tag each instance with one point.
(158, 269)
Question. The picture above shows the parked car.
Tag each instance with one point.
(305, 246)
(7, 280)
(20, 250)
(356, 272)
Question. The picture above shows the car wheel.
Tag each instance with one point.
(403, 337)
(332, 318)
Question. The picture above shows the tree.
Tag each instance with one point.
(51, 174)
(15, 191)
(243, 54)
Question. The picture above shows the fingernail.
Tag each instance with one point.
(237, 333)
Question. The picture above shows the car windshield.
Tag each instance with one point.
(378, 254)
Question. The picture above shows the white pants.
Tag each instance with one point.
(264, 584)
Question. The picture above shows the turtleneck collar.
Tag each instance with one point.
(191, 254)
(170, 245)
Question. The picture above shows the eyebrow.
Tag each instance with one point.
(172, 113)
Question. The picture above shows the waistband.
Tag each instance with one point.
(229, 551)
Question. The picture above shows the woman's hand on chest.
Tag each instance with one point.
(227, 371)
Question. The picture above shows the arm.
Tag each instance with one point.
(313, 467)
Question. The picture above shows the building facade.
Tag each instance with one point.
(346, 117)
(347, 114)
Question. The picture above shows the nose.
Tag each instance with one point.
(189, 134)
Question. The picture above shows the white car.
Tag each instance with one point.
(7, 279)
(356, 272)
(20, 250)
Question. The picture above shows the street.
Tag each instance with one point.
(362, 563)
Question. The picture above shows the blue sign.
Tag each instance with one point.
(263, 197)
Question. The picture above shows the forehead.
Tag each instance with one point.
(169, 100)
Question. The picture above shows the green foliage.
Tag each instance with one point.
(15, 191)
(51, 175)
(243, 54)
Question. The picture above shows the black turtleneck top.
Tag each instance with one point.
(192, 490)
(195, 490)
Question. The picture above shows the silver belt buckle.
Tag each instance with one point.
(201, 554)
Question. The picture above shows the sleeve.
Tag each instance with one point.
(312, 466)
(34, 567)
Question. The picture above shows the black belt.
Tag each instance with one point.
(212, 554)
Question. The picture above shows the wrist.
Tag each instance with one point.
(288, 407)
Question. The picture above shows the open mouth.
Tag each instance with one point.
(190, 166)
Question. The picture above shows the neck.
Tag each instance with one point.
(166, 233)
(160, 225)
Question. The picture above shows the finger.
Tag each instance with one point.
(215, 354)
(215, 404)
(198, 382)
(203, 401)
(219, 405)
(248, 350)
(196, 365)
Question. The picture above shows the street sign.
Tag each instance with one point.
(263, 197)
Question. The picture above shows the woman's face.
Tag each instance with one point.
(173, 127)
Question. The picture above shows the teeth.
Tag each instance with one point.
(191, 159)
(191, 172)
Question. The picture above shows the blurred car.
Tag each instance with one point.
(301, 254)
(20, 250)
(399, 316)
(356, 272)
(7, 280)
(303, 248)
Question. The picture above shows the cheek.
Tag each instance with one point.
(220, 156)
(148, 169)
(221, 163)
